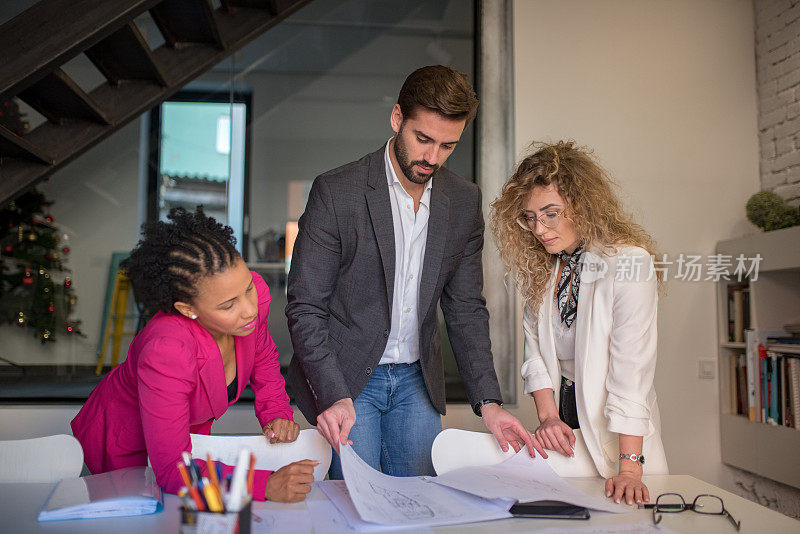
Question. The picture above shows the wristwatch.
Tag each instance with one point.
(479, 405)
(638, 458)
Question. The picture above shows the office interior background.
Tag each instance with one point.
(692, 105)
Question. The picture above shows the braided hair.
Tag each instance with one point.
(171, 257)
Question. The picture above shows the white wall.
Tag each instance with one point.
(665, 94)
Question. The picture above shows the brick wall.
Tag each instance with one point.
(778, 78)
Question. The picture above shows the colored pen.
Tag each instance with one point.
(212, 497)
(251, 474)
(187, 461)
(191, 487)
(239, 483)
(212, 471)
(188, 502)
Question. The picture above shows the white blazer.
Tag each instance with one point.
(615, 355)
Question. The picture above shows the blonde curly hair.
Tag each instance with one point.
(591, 205)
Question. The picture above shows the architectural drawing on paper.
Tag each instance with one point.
(408, 506)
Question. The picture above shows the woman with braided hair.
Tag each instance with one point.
(208, 339)
(585, 271)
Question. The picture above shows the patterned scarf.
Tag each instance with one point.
(568, 285)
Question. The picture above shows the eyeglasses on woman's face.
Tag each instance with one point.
(549, 219)
(673, 503)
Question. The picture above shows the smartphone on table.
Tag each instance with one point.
(549, 510)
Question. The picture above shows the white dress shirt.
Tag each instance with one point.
(410, 238)
(564, 338)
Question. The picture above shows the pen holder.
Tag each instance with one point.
(194, 522)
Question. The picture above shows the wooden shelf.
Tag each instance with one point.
(767, 450)
(784, 348)
(775, 248)
(733, 345)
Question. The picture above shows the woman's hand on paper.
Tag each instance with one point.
(335, 423)
(291, 482)
(507, 429)
(281, 431)
(627, 486)
(556, 435)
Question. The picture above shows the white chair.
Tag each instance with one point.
(47, 459)
(309, 445)
(454, 448)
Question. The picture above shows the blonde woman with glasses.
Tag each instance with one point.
(585, 271)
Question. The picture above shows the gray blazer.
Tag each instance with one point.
(342, 277)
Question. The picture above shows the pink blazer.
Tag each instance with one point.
(173, 383)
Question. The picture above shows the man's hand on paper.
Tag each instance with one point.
(628, 485)
(281, 431)
(556, 435)
(507, 429)
(335, 423)
(291, 482)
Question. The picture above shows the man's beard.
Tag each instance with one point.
(401, 153)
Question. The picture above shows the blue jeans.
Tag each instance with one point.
(395, 423)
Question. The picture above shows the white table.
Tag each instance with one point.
(20, 504)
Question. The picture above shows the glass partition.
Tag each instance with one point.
(246, 140)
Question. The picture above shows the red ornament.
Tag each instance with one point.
(27, 281)
(70, 328)
(8, 249)
(68, 281)
(49, 219)
(51, 308)
(65, 250)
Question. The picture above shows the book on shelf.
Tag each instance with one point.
(738, 311)
(793, 381)
(742, 382)
(765, 383)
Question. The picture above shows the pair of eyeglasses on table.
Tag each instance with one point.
(673, 503)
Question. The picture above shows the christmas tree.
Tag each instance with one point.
(35, 287)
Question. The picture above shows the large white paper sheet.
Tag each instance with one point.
(274, 519)
(324, 515)
(623, 528)
(523, 479)
(336, 490)
(418, 501)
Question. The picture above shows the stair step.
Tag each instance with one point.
(274, 6)
(58, 97)
(187, 21)
(14, 146)
(125, 55)
(35, 43)
(134, 88)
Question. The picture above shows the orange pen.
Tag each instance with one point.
(251, 473)
(212, 471)
(192, 489)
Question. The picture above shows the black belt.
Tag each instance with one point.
(568, 410)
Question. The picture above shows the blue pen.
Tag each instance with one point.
(219, 471)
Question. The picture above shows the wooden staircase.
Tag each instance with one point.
(38, 42)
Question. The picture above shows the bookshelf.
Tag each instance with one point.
(768, 450)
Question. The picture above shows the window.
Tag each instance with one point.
(199, 157)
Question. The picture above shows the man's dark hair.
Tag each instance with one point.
(440, 89)
(171, 257)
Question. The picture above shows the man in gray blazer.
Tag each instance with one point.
(382, 241)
